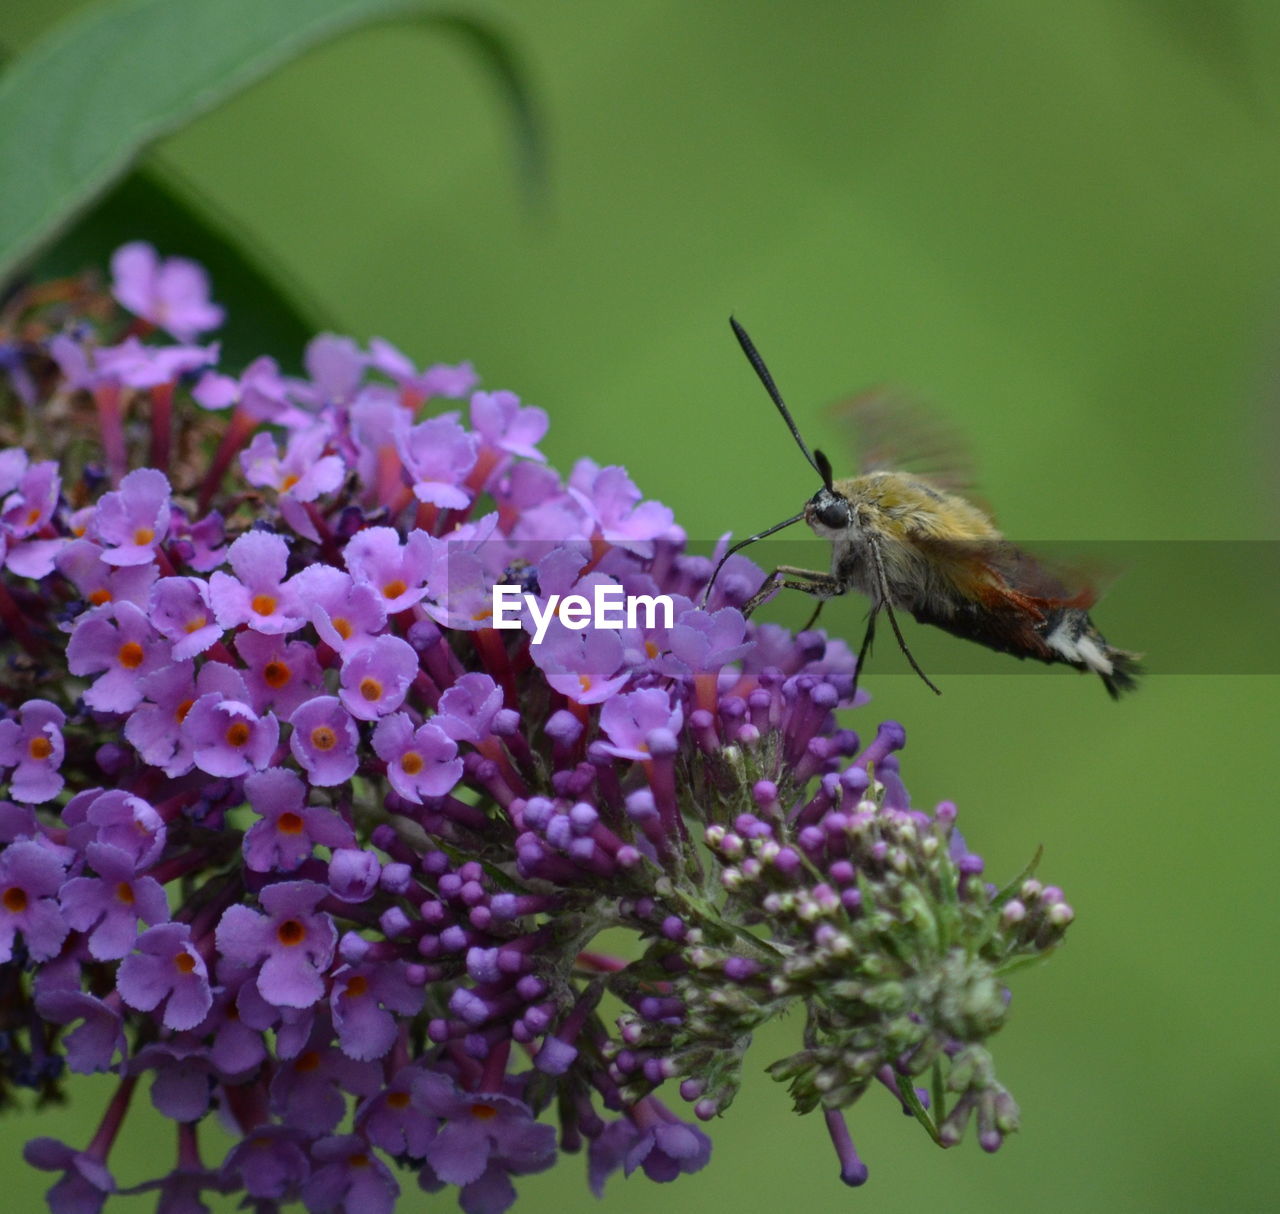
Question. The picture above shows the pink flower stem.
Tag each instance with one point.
(110, 404)
(495, 1068)
(112, 1120)
(12, 614)
(493, 654)
(237, 434)
(161, 425)
(600, 963)
(188, 1147)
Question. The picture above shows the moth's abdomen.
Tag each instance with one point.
(1056, 635)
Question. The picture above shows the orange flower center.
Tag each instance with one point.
(359, 985)
(308, 1061)
(100, 596)
(288, 482)
(15, 899)
(39, 747)
(184, 963)
(323, 738)
(33, 516)
(182, 710)
(124, 893)
(130, 655)
(584, 681)
(370, 688)
(398, 1100)
(291, 933)
(275, 674)
(263, 604)
(394, 589)
(483, 1111)
(289, 823)
(411, 762)
(195, 623)
(342, 627)
(143, 535)
(238, 733)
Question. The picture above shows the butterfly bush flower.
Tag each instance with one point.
(227, 737)
(166, 970)
(325, 741)
(99, 583)
(135, 365)
(130, 521)
(33, 747)
(31, 876)
(395, 569)
(181, 613)
(301, 476)
(438, 455)
(172, 293)
(420, 763)
(121, 641)
(376, 680)
(257, 594)
(288, 830)
(295, 836)
(28, 497)
(107, 906)
(279, 674)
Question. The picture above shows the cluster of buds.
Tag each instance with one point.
(293, 832)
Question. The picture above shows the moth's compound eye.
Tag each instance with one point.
(834, 513)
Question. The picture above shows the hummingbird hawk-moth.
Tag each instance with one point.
(910, 542)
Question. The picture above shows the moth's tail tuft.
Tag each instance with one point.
(1126, 669)
(1074, 637)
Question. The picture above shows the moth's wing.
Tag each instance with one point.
(1000, 595)
(887, 430)
(1000, 575)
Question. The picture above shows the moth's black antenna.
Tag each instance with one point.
(821, 465)
(751, 539)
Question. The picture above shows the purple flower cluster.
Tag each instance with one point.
(296, 835)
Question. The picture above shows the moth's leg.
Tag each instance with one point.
(883, 583)
(813, 619)
(810, 581)
(864, 650)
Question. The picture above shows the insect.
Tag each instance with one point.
(911, 544)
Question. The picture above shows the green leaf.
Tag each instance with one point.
(1017, 964)
(1011, 888)
(79, 106)
(939, 1112)
(265, 314)
(907, 1090)
(1217, 35)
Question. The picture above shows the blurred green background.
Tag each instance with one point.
(1060, 223)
